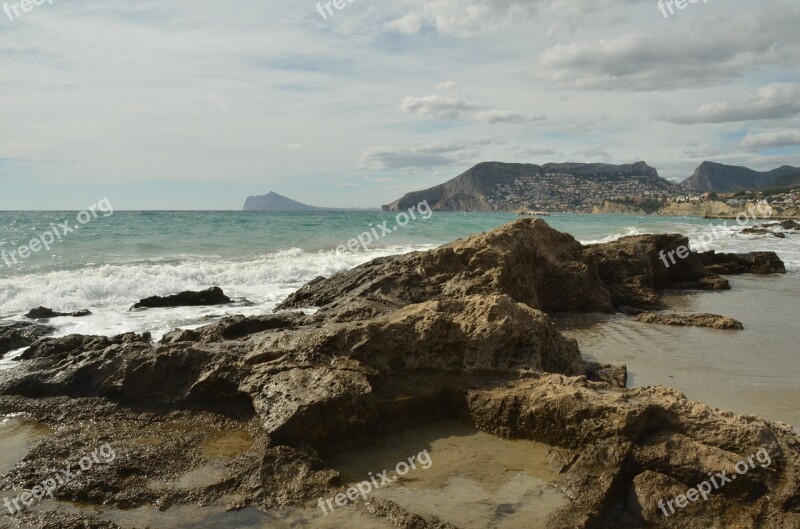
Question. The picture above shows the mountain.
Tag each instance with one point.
(719, 178)
(275, 202)
(497, 186)
(790, 180)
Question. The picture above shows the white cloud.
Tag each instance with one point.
(439, 107)
(506, 116)
(447, 85)
(775, 101)
(447, 107)
(464, 18)
(711, 52)
(771, 139)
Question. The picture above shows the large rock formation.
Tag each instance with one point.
(459, 332)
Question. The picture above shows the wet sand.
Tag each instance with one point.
(754, 371)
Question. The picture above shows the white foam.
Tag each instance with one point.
(110, 290)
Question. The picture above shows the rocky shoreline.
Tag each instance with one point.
(459, 332)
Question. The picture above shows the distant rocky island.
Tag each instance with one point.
(605, 188)
(274, 202)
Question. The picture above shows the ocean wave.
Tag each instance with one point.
(116, 285)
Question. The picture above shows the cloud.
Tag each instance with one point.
(447, 85)
(439, 107)
(771, 139)
(506, 116)
(447, 107)
(672, 59)
(464, 18)
(775, 101)
(421, 156)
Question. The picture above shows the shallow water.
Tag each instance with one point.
(751, 371)
(473, 480)
(18, 436)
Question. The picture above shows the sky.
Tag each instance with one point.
(178, 104)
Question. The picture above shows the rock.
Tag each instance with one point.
(526, 260)
(211, 296)
(712, 321)
(749, 263)
(16, 335)
(790, 225)
(41, 313)
(763, 231)
(634, 267)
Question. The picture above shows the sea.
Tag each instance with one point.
(109, 261)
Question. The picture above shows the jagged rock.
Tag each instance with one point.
(16, 335)
(527, 260)
(211, 296)
(748, 263)
(763, 231)
(712, 321)
(42, 313)
(633, 267)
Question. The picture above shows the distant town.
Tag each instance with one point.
(559, 192)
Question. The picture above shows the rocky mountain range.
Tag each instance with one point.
(497, 186)
(720, 178)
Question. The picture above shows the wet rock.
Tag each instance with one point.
(16, 335)
(211, 296)
(712, 321)
(632, 447)
(763, 231)
(41, 313)
(400, 517)
(748, 263)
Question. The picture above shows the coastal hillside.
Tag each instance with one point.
(790, 180)
(720, 178)
(497, 186)
(274, 202)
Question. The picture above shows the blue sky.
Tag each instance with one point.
(191, 105)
